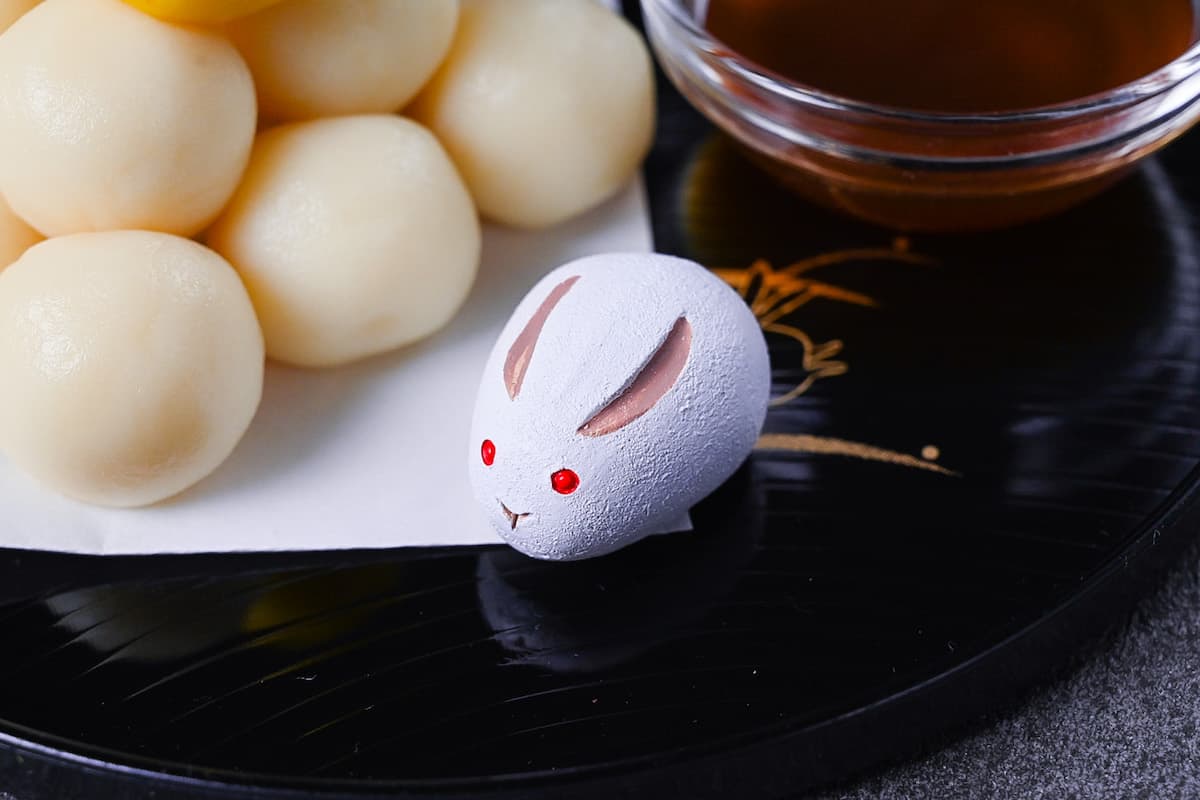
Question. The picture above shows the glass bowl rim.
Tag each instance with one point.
(1151, 85)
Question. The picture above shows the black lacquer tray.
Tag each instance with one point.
(985, 447)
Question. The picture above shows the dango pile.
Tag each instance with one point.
(191, 187)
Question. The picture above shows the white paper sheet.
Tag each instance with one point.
(368, 456)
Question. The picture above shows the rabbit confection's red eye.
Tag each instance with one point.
(564, 481)
(488, 451)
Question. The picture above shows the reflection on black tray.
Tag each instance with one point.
(586, 617)
(969, 430)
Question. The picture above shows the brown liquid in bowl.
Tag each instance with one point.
(952, 56)
(957, 55)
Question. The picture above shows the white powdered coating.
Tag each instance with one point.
(547, 106)
(111, 119)
(638, 479)
(131, 363)
(355, 235)
(318, 58)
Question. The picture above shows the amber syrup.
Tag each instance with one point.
(957, 55)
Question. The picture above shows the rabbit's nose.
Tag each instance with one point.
(512, 516)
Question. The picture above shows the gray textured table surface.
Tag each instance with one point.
(1126, 724)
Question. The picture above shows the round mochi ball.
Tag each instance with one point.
(320, 58)
(111, 119)
(13, 10)
(15, 236)
(354, 235)
(547, 106)
(131, 363)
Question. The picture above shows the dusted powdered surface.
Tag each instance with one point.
(131, 362)
(345, 458)
(111, 119)
(547, 106)
(317, 58)
(646, 388)
(355, 235)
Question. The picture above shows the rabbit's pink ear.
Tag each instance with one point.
(651, 384)
(521, 352)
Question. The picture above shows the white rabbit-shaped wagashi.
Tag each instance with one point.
(623, 390)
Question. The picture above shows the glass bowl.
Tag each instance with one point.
(915, 170)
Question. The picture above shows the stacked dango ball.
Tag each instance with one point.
(220, 181)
